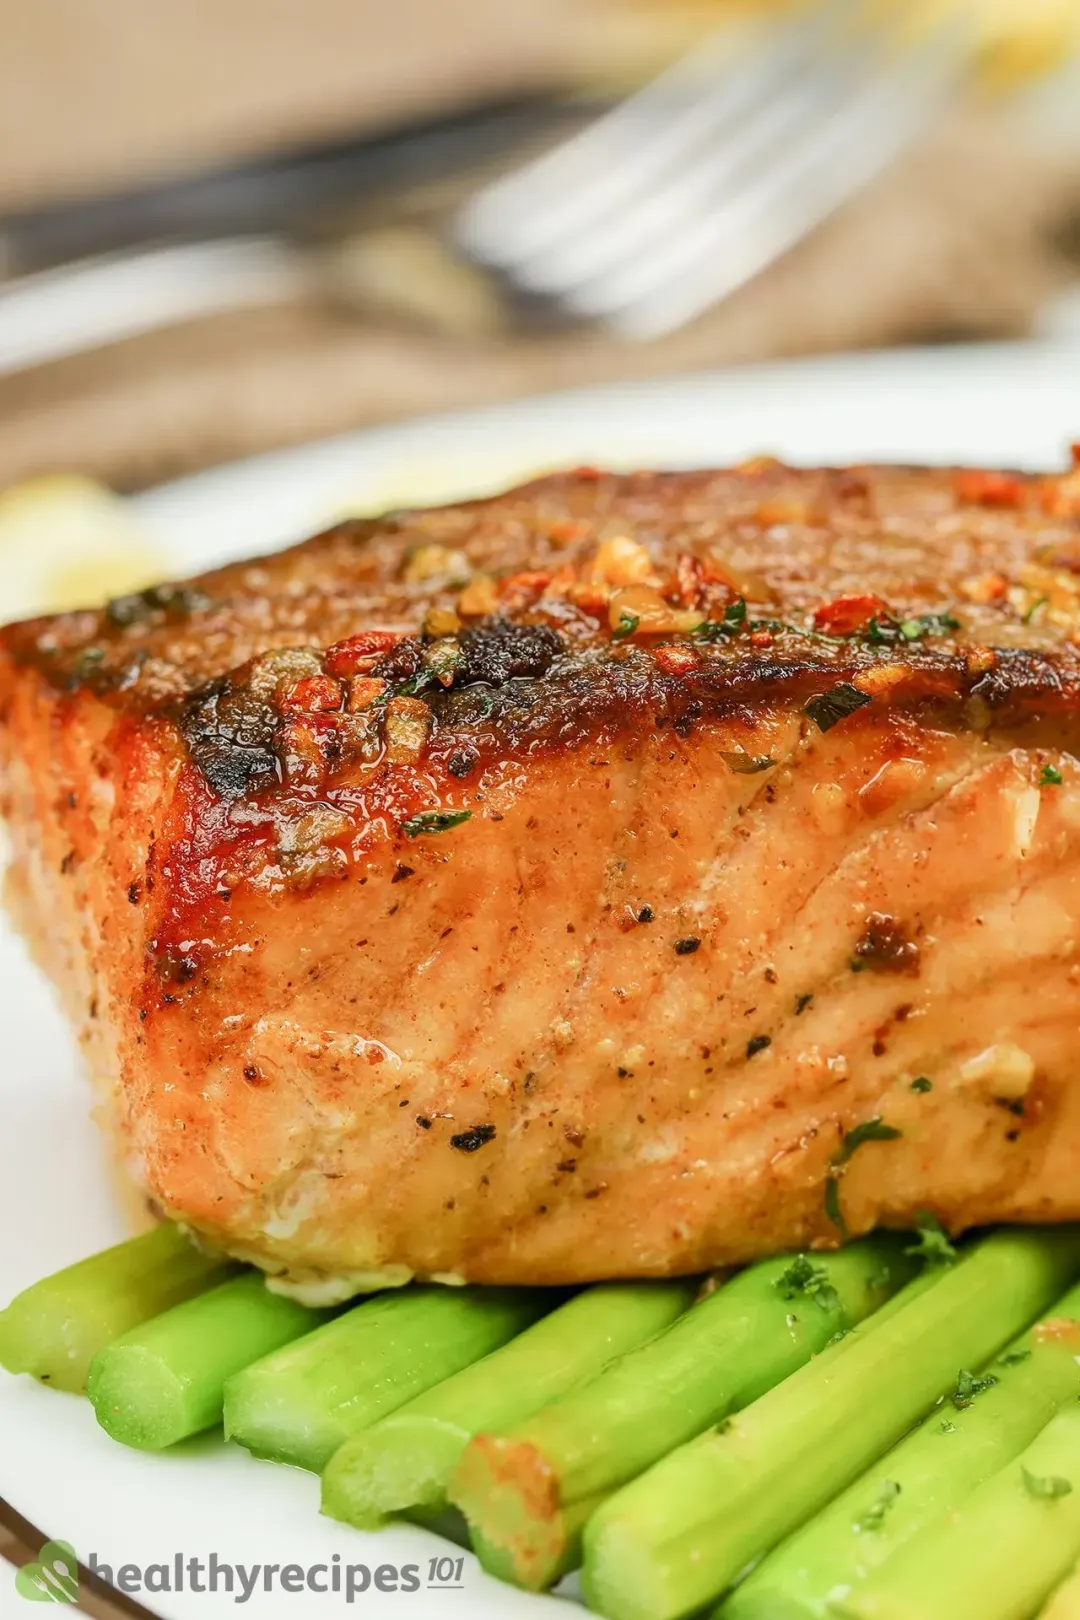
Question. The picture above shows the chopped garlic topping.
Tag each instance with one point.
(1004, 1071)
(621, 561)
(408, 721)
(654, 616)
(479, 598)
(436, 562)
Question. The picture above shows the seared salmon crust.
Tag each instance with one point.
(623, 876)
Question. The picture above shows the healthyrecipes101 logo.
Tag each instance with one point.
(53, 1577)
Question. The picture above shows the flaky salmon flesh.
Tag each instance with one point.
(623, 876)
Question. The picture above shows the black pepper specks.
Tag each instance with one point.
(401, 872)
(470, 1141)
(646, 914)
(424, 1123)
(802, 1002)
(687, 946)
(756, 1044)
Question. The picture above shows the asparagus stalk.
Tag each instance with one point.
(301, 1403)
(54, 1328)
(1001, 1553)
(1065, 1603)
(675, 1538)
(527, 1492)
(405, 1460)
(961, 1443)
(165, 1380)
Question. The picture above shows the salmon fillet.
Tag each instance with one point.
(623, 876)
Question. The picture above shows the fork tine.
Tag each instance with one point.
(756, 223)
(562, 191)
(623, 232)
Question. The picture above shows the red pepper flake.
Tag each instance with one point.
(587, 475)
(358, 654)
(565, 530)
(676, 660)
(985, 588)
(592, 598)
(980, 488)
(522, 590)
(312, 695)
(847, 614)
(761, 638)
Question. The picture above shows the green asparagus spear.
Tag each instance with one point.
(963, 1441)
(1065, 1602)
(1000, 1554)
(675, 1538)
(53, 1328)
(299, 1404)
(527, 1492)
(405, 1460)
(165, 1380)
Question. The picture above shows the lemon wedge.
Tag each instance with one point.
(66, 541)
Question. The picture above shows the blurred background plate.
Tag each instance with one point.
(1012, 405)
(227, 226)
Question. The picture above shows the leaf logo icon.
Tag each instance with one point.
(54, 1578)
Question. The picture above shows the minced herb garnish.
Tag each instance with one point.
(932, 1244)
(870, 1130)
(730, 625)
(434, 821)
(1047, 1486)
(829, 708)
(802, 1276)
(968, 1386)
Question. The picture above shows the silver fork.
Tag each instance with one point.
(701, 180)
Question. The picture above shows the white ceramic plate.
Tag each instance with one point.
(1006, 405)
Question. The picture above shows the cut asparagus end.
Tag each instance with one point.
(138, 1399)
(1000, 1555)
(165, 1379)
(53, 1329)
(400, 1464)
(509, 1495)
(519, 1530)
